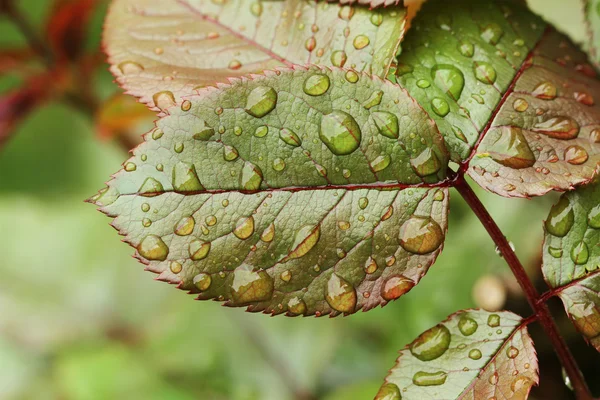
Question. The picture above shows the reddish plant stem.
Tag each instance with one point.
(540, 308)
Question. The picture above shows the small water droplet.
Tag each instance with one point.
(493, 320)
(185, 226)
(185, 178)
(373, 100)
(426, 163)
(555, 252)
(467, 326)
(130, 167)
(251, 177)
(576, 155)
(340, 132)
(387, 124)
(351, 76)
(199, 249)
(466, 49)
(286, 275)
(305, 239)
(449, 79)
(423, 378)
(278, 164)
(431, 344)
(545, 91)
(339, 58)
(289, 137)
(561, 218)
(341, 295)
(316, 85)
(296, 306)
(250, 286)
(484, 72)
(261, 101)
(521, 384)
(164, 100)
(423, 83)
(475, 354)
(492, 33)
(395, 287)
(202, 281)
(360, 42)
(563, 128)
(380, 163)
(512, 352)
(130, 67)
(244, 228)
(363, 202)
(520, 105)
(151, 187)
(440, 106)
(420, 235)
(376, 18)
(580, 253)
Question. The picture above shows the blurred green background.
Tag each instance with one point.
(80, 319)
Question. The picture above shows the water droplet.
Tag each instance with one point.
(466, 49)
(508, 146)
(230, 153)
(244, 228)
(341, 295)
(449, 79)
(261, 101)
(484, 72)
(580, 253)
(340, 133)
(426, 163)
(250, 286)
(380, 163)
(234, 65)
(151, 187)
(251, 177)
(423, 83)
(440, 106)
(492, 33)
(199, 249)
(130, 67)
(493, 320)
(423, 378)
(566, 379)
(346, 173)
(595, 136)
(185, 179)
(403, 69)
(164, 100)
(467, 326)
(512, 352)
(310, 43)
(256, 8)
(186, 105)
(344, 225)
(520, 105)
(286, 276)
(594, 217)
(555, 252)
(316, 85)
(521, 384)
(561, 218)
(363, 202)
(373, 100)
(202, 281)
(584, 98)
(370, 266)
(351, 76)
(152, 247)
(157, 134)
(576, 155)
(493, 379)
(268, 234)
(420, 235)
(296, 306)
(376, 18)
(185, 226)
(360, 42)
(339, 58)
(439, 195)
(204, 133)
(278, 164)
(289, 137)
(305, 239)
(395, 287)
(562, 128)
(175, 267)
(545, 91)
(475, 354)
(261, 131)
(389, 391)
(431, 344)
(388, 213)
(387, 124)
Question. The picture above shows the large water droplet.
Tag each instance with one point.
(244, 227)
(492, 33)
(576, 155)
(316, 85)
(341, 295)
(431, 344)
(164, 100)
(185, 178)
(389, 391)
(251, 177)
(484, 72)
(440, 106)
(508, 146)
(594, 217)
(261, 101)
(467, 326)
(395, 287)
(339, 58)
(296, 306)
(423, 378)
(380, 163)
(305, 239)
(289, 137)
(420, 235)
(152, 247)
(250, 286)
(449, 79)
(563, 128)
(426, 163)
(561, 218)
(545, 91)
(580, 253)
(150, 187)
(340, 133)
(199, 249)
(373, 100)
(387, 124)
(185, 226)
(202, 281)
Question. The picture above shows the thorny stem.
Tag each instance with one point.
(540, 308)
(8, 8)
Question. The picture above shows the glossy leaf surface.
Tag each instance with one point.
(163, 50)
(592, 14)
(474, 354)
(572, 257)
(288, 192)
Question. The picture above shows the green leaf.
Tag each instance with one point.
(268, 193)
(473, 354)
(511, 96)
(163, 50)
(572, 257)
